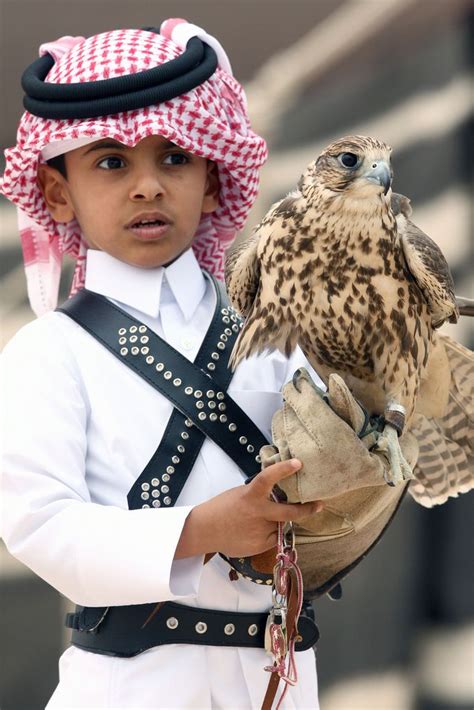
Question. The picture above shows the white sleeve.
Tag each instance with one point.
(96, 555)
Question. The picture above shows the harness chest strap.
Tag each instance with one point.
(202, 408)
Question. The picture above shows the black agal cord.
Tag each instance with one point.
(125, 93)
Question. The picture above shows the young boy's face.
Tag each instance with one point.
(142, 205)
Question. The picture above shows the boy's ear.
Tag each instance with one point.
(55, 192)
(211, 195)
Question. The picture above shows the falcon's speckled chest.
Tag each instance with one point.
(340, 281)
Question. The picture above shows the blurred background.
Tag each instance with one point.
(402, 637)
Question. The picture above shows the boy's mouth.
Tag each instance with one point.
(150, 225)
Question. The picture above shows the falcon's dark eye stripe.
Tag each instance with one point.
(348, 160)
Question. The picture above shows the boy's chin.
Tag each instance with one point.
(150, 263)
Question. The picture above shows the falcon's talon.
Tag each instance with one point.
(399, 470)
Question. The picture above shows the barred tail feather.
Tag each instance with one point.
(445, 466)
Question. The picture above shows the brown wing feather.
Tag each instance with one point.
(426, 264)
(445, 465)
(242, 274)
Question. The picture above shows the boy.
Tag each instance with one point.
(143, 193)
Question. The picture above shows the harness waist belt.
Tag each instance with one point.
(129, 630)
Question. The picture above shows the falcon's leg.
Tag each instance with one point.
(388, 442)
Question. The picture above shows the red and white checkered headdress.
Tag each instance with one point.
(210, 121)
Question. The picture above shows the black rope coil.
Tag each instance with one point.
(124, 93)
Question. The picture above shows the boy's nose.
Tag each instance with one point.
(147, 186)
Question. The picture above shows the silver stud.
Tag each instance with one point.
(202, 416)
(250, 449)
(181, 448)
(200, 404)
(227, 331)
(222, 407)
(159, 367)
(224, 311)
(232, 427)
(211, 404)
(133, 329)
(155, 481)
(210, 394)
(170, 469)
(223, 418)
(188, 390)
(165, 489)
(165, 477)
(201, 627)
(167, 500)
(133, 338)
(122, 331)
(145, 486)
(175, 459)
(188, 423)
(198, 394)
(135, 351)
(253, 630)
(150, 360)
(167, 374)
(145, 505)
(213, 417)
(176, 382)
(155, 493)
(234, 318)
(221, 345)
(215, 356)
(220, 395)
(243, 440)
(145, 495)
(226, 319)
(211, 366)
(259, 581)
(172, 622)
(229, 629)
(156, 504)
(235, 328)
(184, 435)
(123, 351)
(122, 341)
(145, 350)
(269, 581)
(144, 339)
(258, 458)
(142, 329)
(224, 337)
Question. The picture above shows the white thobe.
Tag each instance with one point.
(79, 429)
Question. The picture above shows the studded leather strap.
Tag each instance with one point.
(197, 390)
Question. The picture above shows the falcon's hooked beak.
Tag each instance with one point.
(380, 173)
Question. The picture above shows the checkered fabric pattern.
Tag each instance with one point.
(210, 121)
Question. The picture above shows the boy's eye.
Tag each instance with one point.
(113, 162)
(176, 159)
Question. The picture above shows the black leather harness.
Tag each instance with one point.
(202, 407)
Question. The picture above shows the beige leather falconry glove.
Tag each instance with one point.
(321, 429)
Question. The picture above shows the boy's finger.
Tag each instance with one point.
(266, 479)
(284, 512)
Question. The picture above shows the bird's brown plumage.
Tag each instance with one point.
(338, 268)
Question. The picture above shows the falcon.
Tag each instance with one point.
(338, 268)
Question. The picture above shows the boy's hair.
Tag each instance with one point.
(59, 163)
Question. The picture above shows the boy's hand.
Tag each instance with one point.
(242, 521)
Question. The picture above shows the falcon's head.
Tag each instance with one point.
(357, 165)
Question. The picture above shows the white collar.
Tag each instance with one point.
(145, 289)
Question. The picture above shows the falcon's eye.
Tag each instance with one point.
(348, 160)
